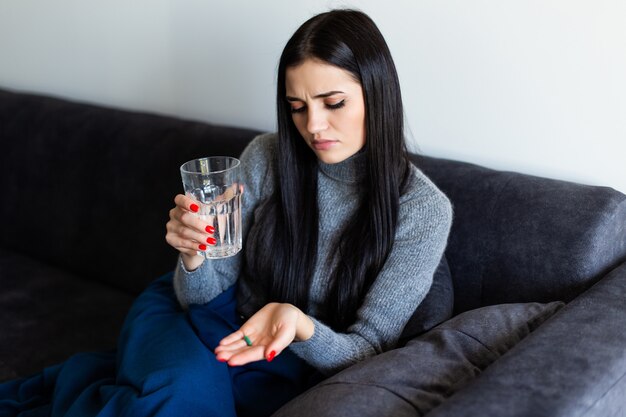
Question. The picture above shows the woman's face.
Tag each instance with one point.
(327, 108)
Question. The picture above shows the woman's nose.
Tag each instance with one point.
(317, 121)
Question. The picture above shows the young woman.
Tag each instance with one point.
(342, 237)
(343, 234)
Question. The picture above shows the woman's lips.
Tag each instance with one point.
(323, 144)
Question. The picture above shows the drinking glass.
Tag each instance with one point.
(214, 183)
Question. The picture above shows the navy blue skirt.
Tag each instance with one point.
(164, 366)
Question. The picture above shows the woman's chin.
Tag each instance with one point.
(333, 156)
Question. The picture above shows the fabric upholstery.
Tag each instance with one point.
(427, 370)
(162, 368)
(573, 365)
(99, 184)
(48, 314)
(520, 238)
(96, 180)
(435, 308)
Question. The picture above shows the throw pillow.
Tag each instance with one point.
(436, 307)
(414, 379)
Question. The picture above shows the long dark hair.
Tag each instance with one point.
(351, 41)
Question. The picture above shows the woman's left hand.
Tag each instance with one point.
(270, 331)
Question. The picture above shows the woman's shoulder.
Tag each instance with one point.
(258, 163)
(261, 146)
(423, 204)
(260, 154)
(419, 187)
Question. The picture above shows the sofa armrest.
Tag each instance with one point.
(521, 238)
(573, 365)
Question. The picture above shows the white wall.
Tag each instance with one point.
(536, 86)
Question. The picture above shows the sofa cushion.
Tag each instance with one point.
(427, 370)
(573, 365)
(48, 314)
(436, 307)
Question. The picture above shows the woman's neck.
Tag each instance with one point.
(350, 170)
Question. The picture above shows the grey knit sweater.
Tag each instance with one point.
(423, 226)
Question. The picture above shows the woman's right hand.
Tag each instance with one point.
(187, 233)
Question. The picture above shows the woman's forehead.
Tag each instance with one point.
(314, 78)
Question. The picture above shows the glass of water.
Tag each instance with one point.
(214, 183)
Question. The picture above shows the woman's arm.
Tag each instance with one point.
(198, 281)
(399, 288)
(401, 285)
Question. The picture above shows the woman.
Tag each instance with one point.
(344, 233)
(342, 237)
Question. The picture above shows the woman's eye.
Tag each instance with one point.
(333, 106)
(336, 105)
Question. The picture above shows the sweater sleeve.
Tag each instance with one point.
(422, 233)
(214, 276)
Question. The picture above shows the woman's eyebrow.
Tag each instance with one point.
(322, 95)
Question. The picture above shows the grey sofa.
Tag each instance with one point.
(537, 267)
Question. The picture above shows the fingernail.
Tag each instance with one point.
(270, 357)
(194, 208)
(221, 360)
(202, 247)
(211, 241)
(210, 229)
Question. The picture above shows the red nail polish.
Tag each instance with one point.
(211, 241)
(194, 208)
(202, 247)
(210, 229)
(221, 360)
(271, 356)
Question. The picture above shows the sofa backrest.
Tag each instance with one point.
(521, 238)
(89, 189)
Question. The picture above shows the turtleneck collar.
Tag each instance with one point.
(350, 170)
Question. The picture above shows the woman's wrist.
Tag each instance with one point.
(304, 327)
(191, 262)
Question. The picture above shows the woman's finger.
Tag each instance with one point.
(283, 338)
(224, 356)
(231, 347)
(188, 247)
(233, 337)
(192, 221)
(182, 218)
(183, 238)
(246, 355)
(186, 203)
(185, 212)
(193, 235)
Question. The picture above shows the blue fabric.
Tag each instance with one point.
(164, 366)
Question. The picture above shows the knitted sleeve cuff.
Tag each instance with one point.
(194, 287)
(328, 351)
